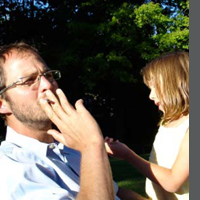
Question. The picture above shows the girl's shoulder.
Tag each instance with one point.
(179, 122)
(179, 127)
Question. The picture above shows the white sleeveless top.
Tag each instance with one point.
(164, 152)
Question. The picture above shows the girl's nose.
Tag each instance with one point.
(152, 94)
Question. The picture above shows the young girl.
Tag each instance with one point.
(167, 170)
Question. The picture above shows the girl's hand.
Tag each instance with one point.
(78, 129)
(116, 148)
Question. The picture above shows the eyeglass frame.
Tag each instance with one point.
(37, 79)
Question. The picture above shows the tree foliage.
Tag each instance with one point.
(100, 46)
(166, 32)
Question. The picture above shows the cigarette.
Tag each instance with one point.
(49, 101)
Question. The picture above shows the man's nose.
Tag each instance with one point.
(45, 84)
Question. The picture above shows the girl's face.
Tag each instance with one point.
(153, 96)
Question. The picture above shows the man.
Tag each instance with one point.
(34, 165)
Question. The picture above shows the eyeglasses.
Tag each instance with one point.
(31, 80)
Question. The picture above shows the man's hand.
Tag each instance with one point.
(78, 129)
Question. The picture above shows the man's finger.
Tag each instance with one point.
(57, 136)
(67, 107)
(56, 105)
(49, 111)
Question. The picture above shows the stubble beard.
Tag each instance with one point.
(30, 115)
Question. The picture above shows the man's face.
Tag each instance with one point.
(24, 100)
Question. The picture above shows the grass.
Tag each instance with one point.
(127, 176)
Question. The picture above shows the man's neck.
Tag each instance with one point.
(38, 134)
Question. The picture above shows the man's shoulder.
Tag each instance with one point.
(6, 148)
(6, 155)
(11, 151)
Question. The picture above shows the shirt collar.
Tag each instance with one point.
(34, 145)
(26, 142)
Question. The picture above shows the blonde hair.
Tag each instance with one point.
(170, 76)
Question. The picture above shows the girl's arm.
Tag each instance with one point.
(169, 179)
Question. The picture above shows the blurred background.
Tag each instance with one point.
(100, 47)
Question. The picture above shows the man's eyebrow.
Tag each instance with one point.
(25, 76)
(35, 73)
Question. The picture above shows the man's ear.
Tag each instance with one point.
(4, 108)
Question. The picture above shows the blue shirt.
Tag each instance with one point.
(30, 169)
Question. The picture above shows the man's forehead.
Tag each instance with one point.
(14, 54)
(18, 64)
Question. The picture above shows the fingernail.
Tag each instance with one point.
(58, 91)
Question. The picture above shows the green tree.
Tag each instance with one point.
(100, 47)
(166, 32)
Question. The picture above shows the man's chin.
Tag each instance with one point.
(31, 115)
(41, 124)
